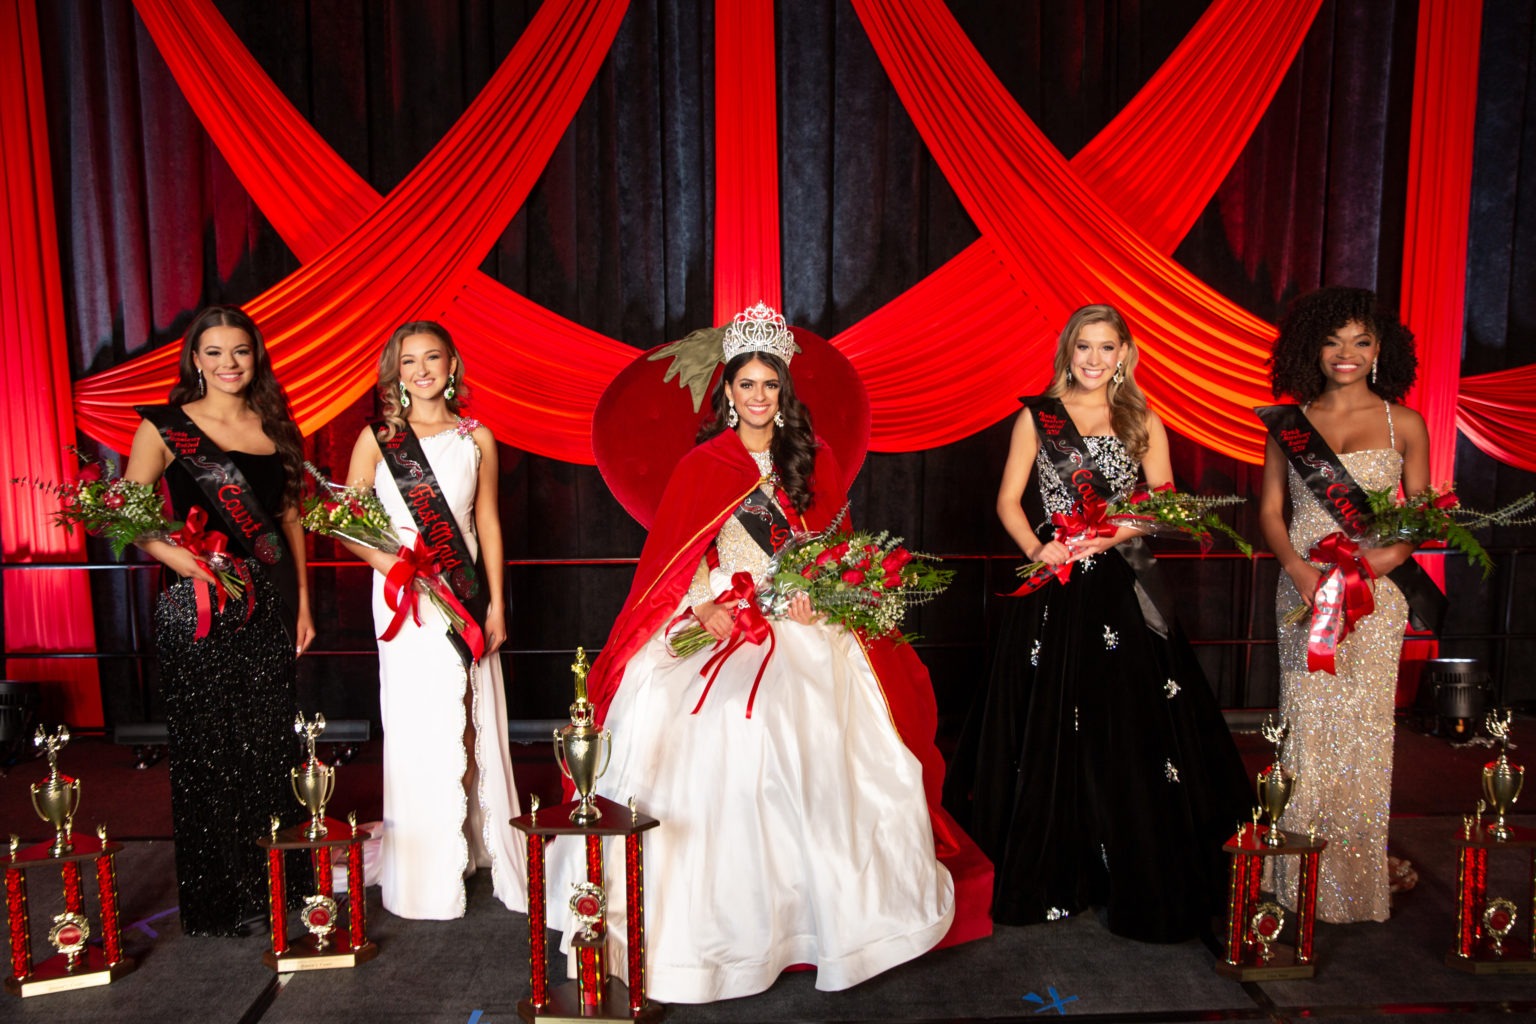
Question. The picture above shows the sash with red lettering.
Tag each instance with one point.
(1345, 500)
(1068, 453)
(250, 529)
(418, 484)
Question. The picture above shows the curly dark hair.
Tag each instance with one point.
(1295, 363)
(264, 394)
(793, 445)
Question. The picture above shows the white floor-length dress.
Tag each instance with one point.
(434, 833)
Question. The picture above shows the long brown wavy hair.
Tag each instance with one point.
(264, 394)
(793, 444)
(1127, 403)
(389, 374)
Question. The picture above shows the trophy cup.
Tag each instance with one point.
(1274, 783)
(579, 747)
(1502, 779)
(56, 798)
(315, 782)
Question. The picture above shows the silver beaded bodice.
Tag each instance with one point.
(1115, 465)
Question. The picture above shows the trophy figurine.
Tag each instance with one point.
(1502, 779)
(314, 783)
(579, 747)
(56, 798)
(1274, 783)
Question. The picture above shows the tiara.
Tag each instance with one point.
(759, 329)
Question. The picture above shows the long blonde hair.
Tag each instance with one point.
(1127, 403)
(389, 374)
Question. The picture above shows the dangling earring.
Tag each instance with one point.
(778, 418)
(1069, 377)
(405, 397)
(1119, 377)
(1374, 366)
(450, 391)
(202, 385)
(731, 419)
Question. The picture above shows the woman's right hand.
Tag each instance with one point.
(184, 563)
(1305, 578)
(715, 618)
(1052, 553)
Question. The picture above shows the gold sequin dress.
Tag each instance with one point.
(1340, 744)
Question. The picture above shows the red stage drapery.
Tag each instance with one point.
(1498, 412)
(44, 610)
(747, 268)
(1439, 199)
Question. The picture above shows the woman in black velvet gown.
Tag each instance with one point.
(227, 446)
(1096, 769)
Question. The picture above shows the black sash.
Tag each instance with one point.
(434, 520)
(230, 498)
(764, 521)
(1079, 473)
(1345, 500)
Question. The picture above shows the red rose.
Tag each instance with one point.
(871, 548)
(825, 557)
(90, 472)
(862, 563)
(1140, 494)
(357, 508)
(113, 500)
(809, 572)
(891, 563)
(838, 550)
(892, 581)
(1447, 500)
(1160, 488)
(853, 576)
(329, 506)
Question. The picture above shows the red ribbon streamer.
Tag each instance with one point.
(749, 626)
(1089, 521)
(418, 572)
(1343, 597)
(205, 545)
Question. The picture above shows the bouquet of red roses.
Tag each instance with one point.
(356, 514)
(861, 581)
(1162, 511)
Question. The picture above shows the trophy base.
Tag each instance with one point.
(52, 975)
(1281, 966)
(564, 1006)
(1516, 959)
(303, 955)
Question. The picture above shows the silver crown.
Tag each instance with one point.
(759, 329)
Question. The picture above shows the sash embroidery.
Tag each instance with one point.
(230, 498)
(417, 482)
(1345, 500)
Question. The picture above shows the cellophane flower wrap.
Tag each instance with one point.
(865, 582)
(1433, 516)
(124, 512)
(1162, 511)
(356, 514)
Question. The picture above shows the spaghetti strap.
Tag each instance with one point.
(1391, 431)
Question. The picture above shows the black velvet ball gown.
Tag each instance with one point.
(230, 702)
(1096, 769)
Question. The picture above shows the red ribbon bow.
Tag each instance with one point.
(418, 570)
(205, 545)
(749, 626)
(1089, 520)
(1343, 597)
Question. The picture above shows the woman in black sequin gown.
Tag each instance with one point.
(229, 695)
(1095, 768)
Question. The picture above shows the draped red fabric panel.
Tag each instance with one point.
(1063, 243)
(35, 419)
(1154, 167)
(1498, 412)
(420, 245)
(747, 268)
(1439, 198)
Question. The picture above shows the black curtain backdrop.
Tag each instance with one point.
(618, 236)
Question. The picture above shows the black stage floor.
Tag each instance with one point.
(474, 971)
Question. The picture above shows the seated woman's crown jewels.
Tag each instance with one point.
(759, 329)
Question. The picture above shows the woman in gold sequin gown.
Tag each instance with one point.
(1349, 362)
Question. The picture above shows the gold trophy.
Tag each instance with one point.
(315, 782)
(579, 747)
(56, 798)
(1274, 783)
(1502, 779)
